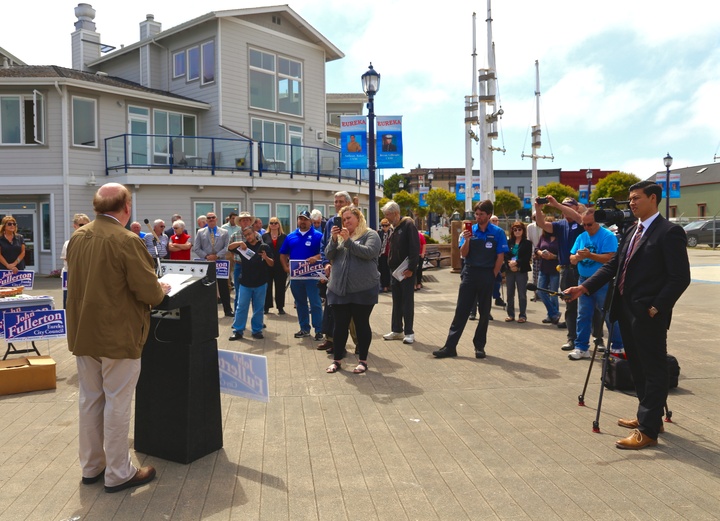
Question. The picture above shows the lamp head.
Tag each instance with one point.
(588, 174)
(668, 160)
(370, 81)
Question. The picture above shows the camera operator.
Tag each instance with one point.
(653, 271)
(566, 230)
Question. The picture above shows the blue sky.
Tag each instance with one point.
(623, 82)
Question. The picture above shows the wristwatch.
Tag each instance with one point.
(653, 311)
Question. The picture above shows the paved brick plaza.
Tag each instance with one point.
(413, 438)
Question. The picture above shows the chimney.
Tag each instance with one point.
(85, 39)
(149, 27)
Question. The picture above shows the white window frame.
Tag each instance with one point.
(197, 214)
(38, 119)
(269, 211)
(277, 78)
(203, 64)
(94, 117)
(288, 206)
(188, 63)
(176, 72)
(227, 207)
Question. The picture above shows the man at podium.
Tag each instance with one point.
(110, 293)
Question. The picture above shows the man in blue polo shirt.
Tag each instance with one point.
(483, 249)
(304, 244)
(591, 250)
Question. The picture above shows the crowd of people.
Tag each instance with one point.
(338, 267)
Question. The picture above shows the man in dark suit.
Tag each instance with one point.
(653, 271)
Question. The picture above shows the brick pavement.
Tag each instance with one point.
(414, 438)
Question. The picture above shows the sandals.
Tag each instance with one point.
(361, 368)
(333, 368)
(509, 319)
(522, 320)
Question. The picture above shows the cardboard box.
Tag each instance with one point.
(27, 373)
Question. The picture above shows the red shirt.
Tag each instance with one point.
(182, 254)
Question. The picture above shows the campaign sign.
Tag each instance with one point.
(64, 279)
(222, 269)
(303, 270)
(243, 374)
(20, 309)
(24, 278)
(34, 325)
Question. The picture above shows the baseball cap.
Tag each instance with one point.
(569, 201)
(305, 214)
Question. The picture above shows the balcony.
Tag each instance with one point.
(205, 156)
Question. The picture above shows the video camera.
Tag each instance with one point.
(608, 212)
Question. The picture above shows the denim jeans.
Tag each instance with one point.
(587, 304)
(550, 282)
(236, 280)
(245, 297)
(305, 291)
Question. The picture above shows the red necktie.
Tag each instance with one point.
(631, 250)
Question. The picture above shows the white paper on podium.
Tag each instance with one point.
(176, 282)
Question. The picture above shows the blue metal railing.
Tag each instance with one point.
(126, 152)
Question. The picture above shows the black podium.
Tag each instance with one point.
(177, 401)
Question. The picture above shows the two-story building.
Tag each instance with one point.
(224, 112)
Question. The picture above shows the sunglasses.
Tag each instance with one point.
(271, 222)
(10, 224)
(517, 229)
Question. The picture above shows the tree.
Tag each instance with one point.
(407, 202)
(392, 185)
(506, 203)
(559, 192)
(616, 185)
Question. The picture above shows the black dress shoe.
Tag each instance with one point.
(230, 314)
(472, 316)
(90, 481)
(444, 353)
(281, 312)
(237, 335)
(142, 476)
(258, 336)
(480, 353)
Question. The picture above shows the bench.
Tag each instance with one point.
(433, 256)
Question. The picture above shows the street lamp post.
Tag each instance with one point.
(588, 174)
(371, 85)
(430, 177)
(668, 163)
(401, 184)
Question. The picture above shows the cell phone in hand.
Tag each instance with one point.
(468, 226)
(337, 221)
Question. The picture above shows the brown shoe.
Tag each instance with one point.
(634, 424)
(636, 441)
(142, 476)
(325, 345)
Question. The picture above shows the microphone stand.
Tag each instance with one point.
(158, 268)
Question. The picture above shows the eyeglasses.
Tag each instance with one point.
(10, 224)
(211, 218)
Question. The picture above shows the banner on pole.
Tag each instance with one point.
(423, 196)
(460, 188)
(353, 142)
(389, 142)
(675, 186)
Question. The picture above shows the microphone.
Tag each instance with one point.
(152, 230)
(532, 287)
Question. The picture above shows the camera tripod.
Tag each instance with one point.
(607, 305)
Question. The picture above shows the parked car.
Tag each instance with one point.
(703, 232)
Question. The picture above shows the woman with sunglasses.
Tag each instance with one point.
(12, 246)
(517, 266)
(277, 277)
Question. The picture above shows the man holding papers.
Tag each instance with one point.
(483, 249)
(402, 261)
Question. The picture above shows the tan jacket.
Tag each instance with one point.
(112, 285)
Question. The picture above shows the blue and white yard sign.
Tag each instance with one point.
(34, 325)
(21, 308)
(24, 278)
(244, 374)
(222, 269)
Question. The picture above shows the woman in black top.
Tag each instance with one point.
(12, 246)
(517, 266)
(277, 276)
